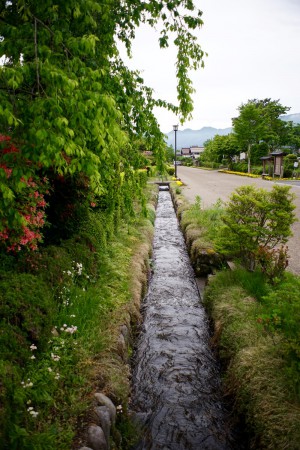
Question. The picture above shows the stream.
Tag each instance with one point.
(176, 394)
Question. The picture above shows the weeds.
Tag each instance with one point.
(257, 328)
(55, 322)
(208, 220)
(256, 319)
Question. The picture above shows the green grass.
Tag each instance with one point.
(262, 372)
(60, 318)
(256, 334)
(207, 220)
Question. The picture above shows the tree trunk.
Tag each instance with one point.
(249, 156)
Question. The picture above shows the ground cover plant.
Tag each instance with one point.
(255, 316)
(256, 330)
(75, 125)
(60, 314)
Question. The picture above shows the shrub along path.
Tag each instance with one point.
(256, 334)
(213, 185)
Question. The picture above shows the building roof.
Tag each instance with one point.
(278, 153)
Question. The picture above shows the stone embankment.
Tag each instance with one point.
(204, 259)
(111, 384)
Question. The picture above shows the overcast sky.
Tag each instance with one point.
(253, 52)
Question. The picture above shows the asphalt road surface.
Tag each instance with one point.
(212, 185)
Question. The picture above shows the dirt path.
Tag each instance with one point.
(212, 185)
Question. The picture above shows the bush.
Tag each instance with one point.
(209, 164)
(288, 165)
(170, 170)
(258, 343)
(256, 221)
(240, 167)
(287, 172)
(22, 212)
(185, 160)
(27, 310)
(282, 314)
(26, 315)
(257, 170)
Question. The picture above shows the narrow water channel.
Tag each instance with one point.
(175, 385)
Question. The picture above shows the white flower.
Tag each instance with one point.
(28, 384)
(72, 315)
(55, 357)
(57, 376)
(30, 408)
(69, 272)
(33, 347)
(49, 369)
(32, 357)
(71, 329)
(79, 268)
(33, 413)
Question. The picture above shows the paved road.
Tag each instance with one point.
(212, 185)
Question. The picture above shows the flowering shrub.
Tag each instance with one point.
(23, 203)
(253, 175)
(243, 174)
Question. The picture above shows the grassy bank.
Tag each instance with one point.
(61, 311)
(256, 334)
(260, 357)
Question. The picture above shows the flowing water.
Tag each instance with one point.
(176, 385)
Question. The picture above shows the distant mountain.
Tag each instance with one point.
(291, 118)
(188, 137)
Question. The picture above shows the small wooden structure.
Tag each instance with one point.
(278, 163)
(267, 167)
(273, 164)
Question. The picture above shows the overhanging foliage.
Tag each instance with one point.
(69, 103)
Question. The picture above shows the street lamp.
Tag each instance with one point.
(175, 128)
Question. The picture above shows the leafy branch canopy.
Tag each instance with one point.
(68, 101)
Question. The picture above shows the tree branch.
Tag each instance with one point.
(36, 56)
(51, 32)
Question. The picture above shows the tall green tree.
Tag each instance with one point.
(258, 122)
(220, 148)
(249, 127)
(293, 136)
(276, 129)
(68, 102)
